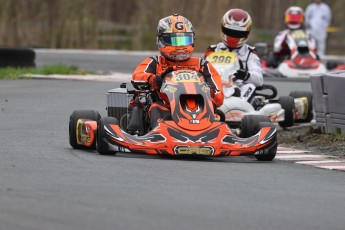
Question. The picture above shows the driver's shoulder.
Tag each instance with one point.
(218, 47)
(246, 50)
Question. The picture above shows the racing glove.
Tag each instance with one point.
(241, 74)
(155, 81)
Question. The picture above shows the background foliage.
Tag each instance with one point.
(131, 24)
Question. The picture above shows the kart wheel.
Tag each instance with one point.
(271, 151)
(288, 104)
(102, 145)
(73, 119)
(250, 124)
(309, 96)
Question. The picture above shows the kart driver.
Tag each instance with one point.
(235, 28)
(294, 20)
(175, 40)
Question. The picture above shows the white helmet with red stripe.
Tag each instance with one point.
(236, 25)
(175, 37)
(294, 17)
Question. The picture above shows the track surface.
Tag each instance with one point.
(45, 184)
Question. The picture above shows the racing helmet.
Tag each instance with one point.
(294, 17)
(175, 37)
(236, 25)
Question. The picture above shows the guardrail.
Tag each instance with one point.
(329, 101)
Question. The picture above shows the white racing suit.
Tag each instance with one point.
(281, 48)
(249, 61)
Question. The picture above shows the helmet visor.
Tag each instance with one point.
(235, 33)
(177, 39)
(294, 18)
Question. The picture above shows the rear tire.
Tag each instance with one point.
(251, 125)
(309, 96)
(73, 119)
(102, 145)
(288, 104)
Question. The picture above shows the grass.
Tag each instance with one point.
(14, 73)
(337, 134)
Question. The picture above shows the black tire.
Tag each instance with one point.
(309, 96)
(102, 145)
(330, 65)
(252, 124)
(73, 119)
(271, 151)
(17, 57)
(288, 104)
(249, 124)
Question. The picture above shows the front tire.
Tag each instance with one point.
(271, 150)
(251, 125)
(102, 145)
(288, 104)
(73, 119)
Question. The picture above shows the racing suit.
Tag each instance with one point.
(153, 67)
(281, 49)
(250, 64)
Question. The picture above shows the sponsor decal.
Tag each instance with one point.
(247, 93)
(188, 150)
(205, 88)
(169, 88)
(84, 138)
(179, 25)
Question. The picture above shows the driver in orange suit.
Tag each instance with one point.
(175, 39)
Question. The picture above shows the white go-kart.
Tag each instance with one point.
(286, 110)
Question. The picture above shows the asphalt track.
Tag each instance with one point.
(45, 184)
(125, 62)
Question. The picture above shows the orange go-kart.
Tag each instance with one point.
(194, 127)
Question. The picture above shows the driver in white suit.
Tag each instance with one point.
(294, 21)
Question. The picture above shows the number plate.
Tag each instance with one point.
(222, 57)
(186, 77)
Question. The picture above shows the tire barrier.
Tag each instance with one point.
(17, 57)
(329, 106)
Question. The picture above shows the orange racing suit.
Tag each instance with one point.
(156, 65)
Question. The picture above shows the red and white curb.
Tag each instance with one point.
(308, 158)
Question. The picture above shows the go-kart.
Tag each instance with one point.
(302, 61)
(194, 127)
(285, 110)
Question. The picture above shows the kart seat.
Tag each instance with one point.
(264, 87)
